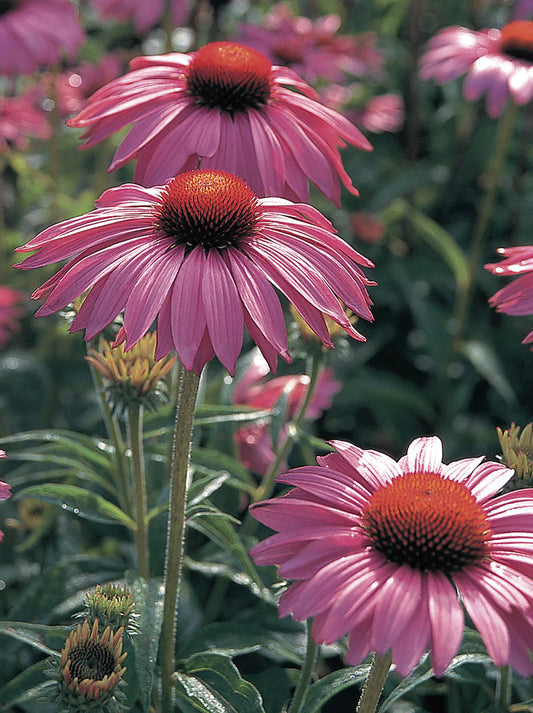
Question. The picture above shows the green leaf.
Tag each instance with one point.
(441, 241)
(202, 488)
(211, 683)
(219, 530)
(95, 450)
(49, 639)
(79, 501)
(207, 414)
(32, 683)
(487, 364)
(328, 686)
(149, 606)
(220, 462)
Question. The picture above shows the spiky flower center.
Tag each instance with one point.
(214, 209)
(427, 522)
(91, 660)
(7, 6)
(517, 39)
(229, 76)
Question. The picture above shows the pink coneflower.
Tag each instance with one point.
(498, 63)
(20, 121)
(517, 297)
(313, 49)
(391, 552)
(254, 442)
(36, 33)
(200, 254)
(367, 227)
(143, 14)
(226, 106)
(10, 313)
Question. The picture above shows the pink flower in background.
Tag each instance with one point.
(382, 113)
(391, 552)
(20, 121)
(201, 254)
(517, 297)
(5, 492)
(498, 63)
(37, 33)
(10, 313)
(226, 106)
(5, 488)
(313, 49)
(72, 87)
(522, 10)
(254, 442)
(144, 14)
(367, 227)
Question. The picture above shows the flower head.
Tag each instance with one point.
(201, 254)
(256, 451)
(515, 298)
(227, 106)
(498, 63)
(111, 605)
(390, 552)
(517, 453)
(143, 14)
(10, 312)
(313, 49)
(20, 121)
(35, 33)
(134, 375)
(91, 671)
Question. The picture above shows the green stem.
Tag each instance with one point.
(264, 491)
(503, 690)
(486, 208)
(115, 436)
(176, 530)
(368, 702)
(300, 693)
(135, 423)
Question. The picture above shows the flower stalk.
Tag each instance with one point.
(135, 424)
(176, 529)
(300, 693)
(264, 490)
(368, 702)
(503, 136)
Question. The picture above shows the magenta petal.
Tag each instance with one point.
(223, 310)
(446, 620)
(424, 455)
(186, 307)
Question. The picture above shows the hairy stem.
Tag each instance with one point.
(176, 529)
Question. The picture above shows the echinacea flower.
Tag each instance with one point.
(254, 442)
(226, 106)
(200, 254)
(517, 453)
(143, 14)
(111, 605)
(10, 312)
(516, 298)
(36, 33)
(20, 120)
(391, 552)
(313, 49)
(498, 63)
(133, 376)
(91, 671)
